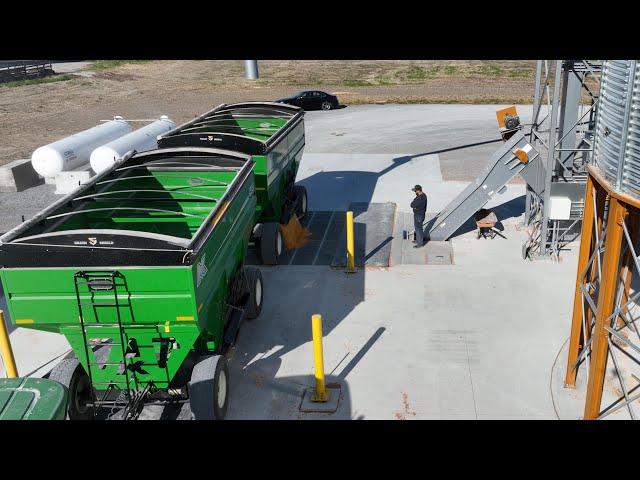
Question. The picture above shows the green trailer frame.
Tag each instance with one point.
(140, 269)
(273, 134)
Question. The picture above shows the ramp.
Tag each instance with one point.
(503, 166)
(372, 235)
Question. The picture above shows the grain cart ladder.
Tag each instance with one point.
(516, 156)
(90, 283)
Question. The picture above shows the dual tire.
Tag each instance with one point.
(71, 374)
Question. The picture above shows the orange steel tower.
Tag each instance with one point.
(604, 336)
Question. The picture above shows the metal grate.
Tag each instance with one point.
(325, 227)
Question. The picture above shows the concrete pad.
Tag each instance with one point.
(67, 182)
(329, 406)
(373, 225)
(403, 253)
(438, 253)
(18, 176)
(37, 352)
(443, 352)
(459, 134)
(334, 181)
(70, 67)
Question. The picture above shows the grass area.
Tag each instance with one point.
(497, 71)
(378, 81)
(417, 73)
(356, 83)
(106, 64)
(36, 81)
(361, 73)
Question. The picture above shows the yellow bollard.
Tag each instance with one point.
(350, 249)
(321, 394)
(5, 349)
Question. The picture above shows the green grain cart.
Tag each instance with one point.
(273, 134)
(142, 270)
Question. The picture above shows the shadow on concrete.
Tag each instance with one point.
(360, 185)
(257, 393)
(510, 209)
(283, 329)
(340, 188)
(263, 385)
(358, 356)
(372, 253)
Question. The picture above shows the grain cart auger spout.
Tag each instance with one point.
(516, 156)
(142, 270)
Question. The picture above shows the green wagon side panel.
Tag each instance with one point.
(39, 297)
(154, 303)
(280, 166)
(215, 266)
(182, 336)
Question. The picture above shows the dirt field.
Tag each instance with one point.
(34, 115)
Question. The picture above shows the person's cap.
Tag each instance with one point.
(417, 187)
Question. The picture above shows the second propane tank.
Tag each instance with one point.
(144, 138)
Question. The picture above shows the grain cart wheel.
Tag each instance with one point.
(326, 105)
(253, 276)
(209, 388)
(301, 196)
(71, 374)
(271, 243)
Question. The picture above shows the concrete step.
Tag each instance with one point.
(18, 176)
(403, 253)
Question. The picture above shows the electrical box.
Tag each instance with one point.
(560, 208)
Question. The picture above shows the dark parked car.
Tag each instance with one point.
(312, 100)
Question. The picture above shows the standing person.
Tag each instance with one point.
(419, 205)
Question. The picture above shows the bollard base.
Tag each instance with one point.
(329, 406)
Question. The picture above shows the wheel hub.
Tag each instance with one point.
(258, 292)
(82, 396)
(222, 389)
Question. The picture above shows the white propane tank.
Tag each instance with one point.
(74, 151)
(144, 138)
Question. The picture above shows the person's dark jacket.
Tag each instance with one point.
(419, 204)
